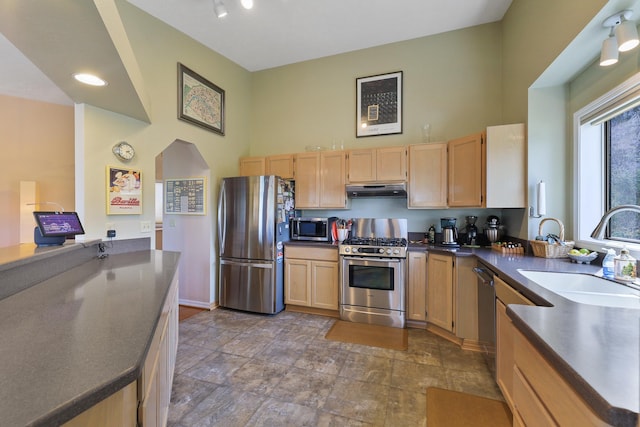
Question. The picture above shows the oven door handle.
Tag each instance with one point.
(373, 259)
(484, 276)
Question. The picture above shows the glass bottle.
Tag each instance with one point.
(625, 266)
(431, 234)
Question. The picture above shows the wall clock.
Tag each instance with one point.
(124, 151)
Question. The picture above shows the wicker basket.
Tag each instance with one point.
(543, 249)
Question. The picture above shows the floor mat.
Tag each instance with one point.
(366, 334)
(447, 408)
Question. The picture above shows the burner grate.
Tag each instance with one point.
(376, 241)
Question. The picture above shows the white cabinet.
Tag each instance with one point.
(506, 181)
(154, 385)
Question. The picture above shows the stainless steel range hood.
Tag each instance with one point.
(398, 189)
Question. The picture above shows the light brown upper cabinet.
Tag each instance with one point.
(465, 164)
(320, 180)
(280, 165)
(252, 166)
(384, 164)
(427, 185)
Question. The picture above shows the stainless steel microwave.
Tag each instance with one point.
(313, 229)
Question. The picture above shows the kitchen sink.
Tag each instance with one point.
(586, 288)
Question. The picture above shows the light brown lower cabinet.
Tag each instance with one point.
(144, 402)
(417, 286)
(536, 393)
(311, 277)
(466, 301)
(505, 295)
(440, 291)
(541, 396)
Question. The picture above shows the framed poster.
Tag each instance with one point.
(379, 104)
(200, 102)
(124, 191)
(186, 196)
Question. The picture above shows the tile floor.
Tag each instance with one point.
(241, 369)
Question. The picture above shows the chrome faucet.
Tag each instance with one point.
(598, 233)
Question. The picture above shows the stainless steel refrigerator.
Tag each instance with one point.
(252, 228)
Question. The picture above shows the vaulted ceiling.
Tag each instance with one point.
(43, 43)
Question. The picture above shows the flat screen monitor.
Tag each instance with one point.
(57, 224)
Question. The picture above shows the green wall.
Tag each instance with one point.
(459, 82)
(158, 48)
(451, 80)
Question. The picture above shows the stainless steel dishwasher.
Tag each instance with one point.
(486, 307)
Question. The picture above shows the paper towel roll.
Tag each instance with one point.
(542, 199)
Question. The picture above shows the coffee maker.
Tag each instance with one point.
(472, 230)
(449, 232)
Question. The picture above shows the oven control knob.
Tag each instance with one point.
(381, 250)
(347, 249)
(396, 251)
(389, 251)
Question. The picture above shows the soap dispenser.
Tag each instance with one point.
(608, 264)
(625, 266)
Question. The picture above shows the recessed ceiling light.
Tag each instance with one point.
(89, 79)
(247, 4)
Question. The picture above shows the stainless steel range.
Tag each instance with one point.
(373, 272)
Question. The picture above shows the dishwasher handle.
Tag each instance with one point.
(485, 277)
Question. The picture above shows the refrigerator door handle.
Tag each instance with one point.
(221, 218)
(247, 264)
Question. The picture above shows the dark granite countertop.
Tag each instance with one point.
(74, 339)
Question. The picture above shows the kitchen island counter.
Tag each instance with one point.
(76, 338)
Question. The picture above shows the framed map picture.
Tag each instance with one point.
(124, 191)
(200, 102)
(379, 104)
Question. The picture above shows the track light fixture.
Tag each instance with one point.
(623, 36)
(609, 52)
(219, 9)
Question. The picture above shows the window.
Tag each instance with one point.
(622, 139)
(607, 167)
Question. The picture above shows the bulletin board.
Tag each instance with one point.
(185, 196)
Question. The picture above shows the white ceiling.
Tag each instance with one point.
(280, 32)
(276, 32)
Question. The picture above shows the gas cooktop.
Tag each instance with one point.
(382, 238)
(375, 246)
(375, 241)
